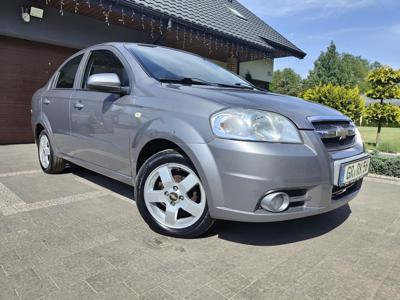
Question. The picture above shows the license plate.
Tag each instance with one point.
(353, 171)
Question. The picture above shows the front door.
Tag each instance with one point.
(101, 121)
(55, 102)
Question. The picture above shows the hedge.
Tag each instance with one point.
(389, 166)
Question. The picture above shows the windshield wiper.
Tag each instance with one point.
(185, 80)
(198, 81)
(236, 86)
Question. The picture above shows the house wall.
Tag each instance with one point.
(70, 30)
(260, 70)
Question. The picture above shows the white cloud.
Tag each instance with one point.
(291, 7)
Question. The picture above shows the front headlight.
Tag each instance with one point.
(254, 125)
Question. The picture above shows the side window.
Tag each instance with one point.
(104, 61)
(66, 78)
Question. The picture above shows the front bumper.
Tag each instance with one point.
(237, 174)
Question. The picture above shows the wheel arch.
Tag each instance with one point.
(38, 129)
(153, 147)
(42, 123)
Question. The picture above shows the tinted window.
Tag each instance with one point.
(67, 75)
(104, 61)
(164, 63)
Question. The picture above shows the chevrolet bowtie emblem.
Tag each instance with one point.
(341, 133)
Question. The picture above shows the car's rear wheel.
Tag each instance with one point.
(48, 161)
(170, 196)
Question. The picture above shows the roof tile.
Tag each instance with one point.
(216, 15)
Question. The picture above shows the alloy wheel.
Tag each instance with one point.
(174, 196)
(44, 151)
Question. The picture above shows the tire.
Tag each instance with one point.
(49, 163)
(168, 203)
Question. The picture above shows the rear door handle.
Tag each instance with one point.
(78, 105)
(46, 101)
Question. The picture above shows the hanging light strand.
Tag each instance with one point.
(62, 7)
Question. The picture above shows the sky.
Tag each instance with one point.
(369, 28)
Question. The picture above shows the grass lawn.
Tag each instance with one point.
(390, 138)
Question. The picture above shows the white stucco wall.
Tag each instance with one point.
(259, 69)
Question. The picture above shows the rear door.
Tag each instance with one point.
(101, 121)
(55, 102)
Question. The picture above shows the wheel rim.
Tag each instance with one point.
(174, 196)
(44, 151)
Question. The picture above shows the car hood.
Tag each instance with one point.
(296, 109)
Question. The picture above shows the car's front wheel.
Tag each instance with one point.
(48, 161)
(170, 196)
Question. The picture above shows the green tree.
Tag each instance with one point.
(384, 84)
(327, 68)
(340, 69)
(355, 69)
(346, 100)
(375, 65)
(286, 82)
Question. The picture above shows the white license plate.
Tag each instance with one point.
(353, 171)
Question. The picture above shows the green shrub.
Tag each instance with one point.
(389, 166)
(387, 112)
(346, 100)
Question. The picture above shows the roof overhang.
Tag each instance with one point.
(284, 49)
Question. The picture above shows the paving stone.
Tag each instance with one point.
(389, 289)
(205, 293)
(16, 266)
(80, 290)
(180, 287)
(29, 187)
(105, 280)
(29, 285)
(65, 276)
(260, 290)
(100, 248)
(118, 291)
(8, 293)
(156, 293)
(143, 281)
(229, 284)
(8, 256)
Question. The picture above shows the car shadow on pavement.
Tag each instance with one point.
(261, 234)
(284, 232)
(107, 183)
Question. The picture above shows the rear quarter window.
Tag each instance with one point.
(67, 74)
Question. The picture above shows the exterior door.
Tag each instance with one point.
(55, 102)
(100, 121)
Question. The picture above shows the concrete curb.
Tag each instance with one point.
(383, 178)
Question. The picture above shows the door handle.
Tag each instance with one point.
(46, 101)
(78, 105)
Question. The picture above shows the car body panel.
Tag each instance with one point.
(108, 134)
(100, 130)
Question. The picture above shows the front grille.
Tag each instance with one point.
(335, 135)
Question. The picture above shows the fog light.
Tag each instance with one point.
(275, 202)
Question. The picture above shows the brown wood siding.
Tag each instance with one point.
(25, 66)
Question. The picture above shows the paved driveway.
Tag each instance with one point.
(78, 235)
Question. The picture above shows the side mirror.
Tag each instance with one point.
(106, 82)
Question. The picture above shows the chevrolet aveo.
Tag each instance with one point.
(197, 142)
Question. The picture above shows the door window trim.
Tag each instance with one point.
(53, 85)
(85, 62)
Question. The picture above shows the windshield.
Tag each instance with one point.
(167, 64)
